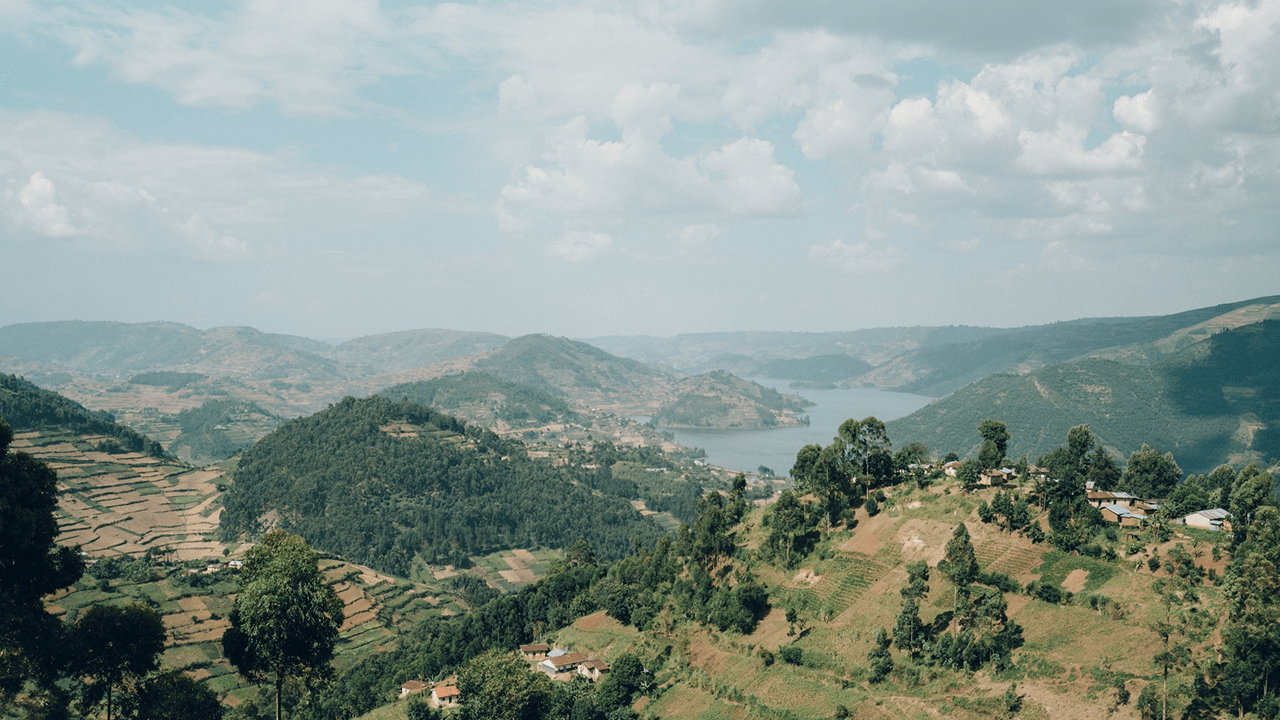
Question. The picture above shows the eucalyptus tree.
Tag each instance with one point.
(286, 615)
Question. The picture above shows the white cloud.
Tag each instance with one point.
(859, 258)
(578, 246)
(37, 208)
(308, 56)
(635, 176)
(205, 201)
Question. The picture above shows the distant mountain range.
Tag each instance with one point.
(683, 381)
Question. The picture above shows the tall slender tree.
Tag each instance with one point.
(286, 616)
(960, 564)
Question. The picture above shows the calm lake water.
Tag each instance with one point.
(746, 450)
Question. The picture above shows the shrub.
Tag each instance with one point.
(1049, 593)
(791, 654)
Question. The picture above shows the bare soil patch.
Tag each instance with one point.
(807, 577)
(923, 540)
(870, 534)
(1074, 582)
(594, 621)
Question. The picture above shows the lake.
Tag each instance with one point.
(747, 450)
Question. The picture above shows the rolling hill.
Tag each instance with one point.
(409, 349)
(382, 482)
(721, 400)
(483, 399)
(1214, 401)
(567, 368)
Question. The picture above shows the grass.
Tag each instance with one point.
(1057, 565)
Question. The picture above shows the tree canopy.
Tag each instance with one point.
(31, 566)
(286, 616)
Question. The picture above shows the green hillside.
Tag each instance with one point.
(482, 398)
(27, 407)
(219, 429)
(817, 369)
(721, 400)
(381, 483)
(568, 368)
(1213, 402)
(941, 369)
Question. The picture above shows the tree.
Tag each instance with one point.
(497, 685)
(960, 564)
(116, 647)
(969, 472)
(1079, 443)
(996, 433)
(286, 616)
(1148, 474)
(1103, 471)
(31, 566)
(1252, 490)
(176, 696)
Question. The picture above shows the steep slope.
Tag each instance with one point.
(720, 400)
(567, 368)
(412, 348)
(943, 369)
(27, 407)
(1212, 402)
(382, 482)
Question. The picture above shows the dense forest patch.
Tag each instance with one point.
(445, 492)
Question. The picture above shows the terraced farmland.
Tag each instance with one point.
(128, 503)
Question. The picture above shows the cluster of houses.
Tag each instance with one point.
(1117, 507)
(557, 663)
(560, 664)
(1125, 510)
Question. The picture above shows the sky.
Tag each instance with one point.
(338, 168)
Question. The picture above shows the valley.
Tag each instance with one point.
(502, 494)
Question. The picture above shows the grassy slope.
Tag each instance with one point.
(1066, 667)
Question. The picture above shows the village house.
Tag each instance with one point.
(593, 669)
(1098, 498)
(1122, 515)
(536, 651)
(993, 477)
(411, 687)
(950, 469)
(1215, 519)
(443, 696)
(566, 662)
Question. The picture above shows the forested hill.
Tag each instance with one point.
(27, 407)
(483, 398)
(1213, 402)
(379, 482)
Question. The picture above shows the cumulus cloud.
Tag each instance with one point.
(579, 246)
(860, 258)
(635, 175)
(37, 208)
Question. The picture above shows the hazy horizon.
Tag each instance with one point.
(587, 170)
